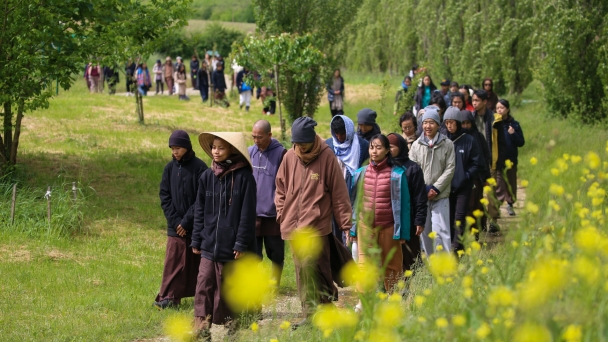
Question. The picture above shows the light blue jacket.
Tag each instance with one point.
(400, 201)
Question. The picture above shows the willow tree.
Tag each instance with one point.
(43, 42)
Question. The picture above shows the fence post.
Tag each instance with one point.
(75, 191)
(13, 204)
(48, 203)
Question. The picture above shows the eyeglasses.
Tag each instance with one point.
(407, 128)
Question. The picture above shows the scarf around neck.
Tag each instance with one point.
(349, 151)
(308, 157)
(231, 164)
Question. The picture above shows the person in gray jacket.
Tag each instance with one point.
(434, 152)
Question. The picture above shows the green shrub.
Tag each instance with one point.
(214, 37)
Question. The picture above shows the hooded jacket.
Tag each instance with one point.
(484, 172)
(224, 214)
(266, 165)
(469, 161)
(513, 141)
(438, 163)
(368, 117)
(178, 188)
(308, 194)
(218, 80)
(489, 124)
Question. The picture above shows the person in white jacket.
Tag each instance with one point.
(434, 152)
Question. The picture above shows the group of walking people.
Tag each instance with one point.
(399, 194)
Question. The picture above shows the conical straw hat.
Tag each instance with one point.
(236, 139)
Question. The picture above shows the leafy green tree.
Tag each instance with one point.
(323, 22)
(42, 42)
(284, 62)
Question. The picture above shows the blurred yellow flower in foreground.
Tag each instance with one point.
(508, 164)
(483, 331)
(501, 296)
(306, 243)
(470, 221)
(532, 333)
(491, 181)
(524, 183)
(589, 240)
(328, 318)
(383, 335)
(179, 328)
(432, 235)
(484, 201)
(555, 172)
(246, 285)
(477, 213)
(532, 208)
(459, 320)
(389, 314)
(442, 265)
(441, 322)
(419, 300)
(593, 160)
(533, 160)
(556, 190)
(546, 279)
(254, 327)
(586, 268)
(284, 325)
(572, 333)
(365, 276)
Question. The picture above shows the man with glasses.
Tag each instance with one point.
(266, 155)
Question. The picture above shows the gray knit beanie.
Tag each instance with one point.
(453, 113)
(303, 130)
(366, 116)
(431, 112)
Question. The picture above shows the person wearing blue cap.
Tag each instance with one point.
(434, 152)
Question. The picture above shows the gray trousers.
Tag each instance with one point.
(438, 221)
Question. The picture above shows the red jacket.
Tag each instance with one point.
(377, 194)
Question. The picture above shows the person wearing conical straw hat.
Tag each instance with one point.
(310, 188)
(224, 223)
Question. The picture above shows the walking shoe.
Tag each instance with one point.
(240, 106)
(163, 304)
(494, 227)
(510, 210)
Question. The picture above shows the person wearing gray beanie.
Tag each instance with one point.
(434, 152)
(303, 130)
(366, 120)
(452, 113)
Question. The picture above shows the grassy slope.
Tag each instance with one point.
(100, 285)
(197, 25)
(219, 9)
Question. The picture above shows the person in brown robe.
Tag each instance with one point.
(177, 195)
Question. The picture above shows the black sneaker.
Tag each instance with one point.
(494, 227)
(163, 304)
(510, 210)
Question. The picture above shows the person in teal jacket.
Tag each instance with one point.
(382, 191)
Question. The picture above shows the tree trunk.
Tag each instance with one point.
(15, 144)
(8, 130)
(276, 78)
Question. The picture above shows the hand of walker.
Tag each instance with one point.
(432, 194)
(238, 254)
(181, 231)
(196, 250)
(419, 230)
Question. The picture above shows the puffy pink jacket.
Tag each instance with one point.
(377, 194)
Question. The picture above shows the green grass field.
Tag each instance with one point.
(198, 25)
(99, 285)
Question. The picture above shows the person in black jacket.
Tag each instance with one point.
(219, 84)
(111, 76)
(489, 125)
(177, 196)
(224, 223)
(194, 64)
(506, 189)
(418, 198)
(203, 81)
(469, 162)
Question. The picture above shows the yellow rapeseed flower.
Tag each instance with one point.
(566, 156)
(487, 189)
(546, 279)
(484, 330)
(573, 333)
(179, 328)
(284, 325)
(408, 273)
(477, 213)
(421, 320)
(593, 160)
(532, 208)
(246, 284)
(381, 295)
(468, 293)
(484, 270)
(562, 165)
(484, 201)
(501, 296)
(596, 202)
(467, 281)
(419, 300)
(524, 183)
(254, 327)
(588, 239)
(575, 159)
(508, 164)
(555, 172)
(530, 332)
(469, 221)
(441, 322)
(329, 317)
(359, 335)
(459, 320)
(306, 243)
(273, 340)
(389, 314)
(533, 160)
(475, 246)
(383, 335)
(432, 235)
(514, 244)
(554, 205)
(586, 268)
(395, 297)
(364, 276)
(556, 189)
(442, 265)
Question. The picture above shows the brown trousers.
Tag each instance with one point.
(314, 278)
(384, 239)
(180, 272)
(209, 305)
(169, 81)
(506, 189)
